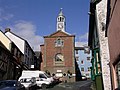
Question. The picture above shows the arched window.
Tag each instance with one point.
(59, 42)
(60, 19)
(59, 57)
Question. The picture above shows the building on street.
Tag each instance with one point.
(10, 59)
(58, 51)
(37, 60)
(83, 59)
(4, 53)
(113, 34)
(104, 39)
(24, 47)
(98, 42)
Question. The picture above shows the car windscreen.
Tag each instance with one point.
(47, 75)
(42, 76)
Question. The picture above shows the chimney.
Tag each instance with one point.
(7, 30)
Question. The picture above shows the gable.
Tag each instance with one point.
(18, 41)
(59, 33)
(5, 40)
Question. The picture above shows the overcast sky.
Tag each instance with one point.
(33, 19)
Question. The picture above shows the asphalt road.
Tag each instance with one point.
(81, 85)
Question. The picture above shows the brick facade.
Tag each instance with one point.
(50, 50)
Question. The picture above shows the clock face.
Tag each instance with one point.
(60, 26)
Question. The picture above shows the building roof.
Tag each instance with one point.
(61, 12)
(19, 37)
(79, 46)
(5, 35)
(10, 41)
(6, 38)
(60, 31)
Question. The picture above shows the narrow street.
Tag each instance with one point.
(53, 44)
(81, 85)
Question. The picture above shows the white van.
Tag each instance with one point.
(42, 79)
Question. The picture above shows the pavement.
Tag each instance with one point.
(93, 86)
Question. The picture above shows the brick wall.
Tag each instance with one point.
(67, 50)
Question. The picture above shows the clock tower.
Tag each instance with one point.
(61, 21)
(57, 52)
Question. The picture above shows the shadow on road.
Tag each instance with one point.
(81, 85)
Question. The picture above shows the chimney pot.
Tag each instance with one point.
(7, 30)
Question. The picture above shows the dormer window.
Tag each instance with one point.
(59, 42)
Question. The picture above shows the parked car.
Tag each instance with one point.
(46, 77)
(56, 80)
(42, 79)
(84, 77)
(29, 83)
(11, 85)
(59, 75)
(41, 83)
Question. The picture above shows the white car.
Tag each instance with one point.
(29, 83)
(84, 77)
(42, 79)
(42, 83)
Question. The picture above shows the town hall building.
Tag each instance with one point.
(58, 55)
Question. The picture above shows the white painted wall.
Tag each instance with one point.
(18, 42)
(5, 41)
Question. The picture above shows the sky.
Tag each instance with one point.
(33, 19)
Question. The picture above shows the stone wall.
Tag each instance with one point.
(101, 11)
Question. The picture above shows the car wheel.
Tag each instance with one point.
(44, 86)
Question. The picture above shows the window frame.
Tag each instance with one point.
(59, 42)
